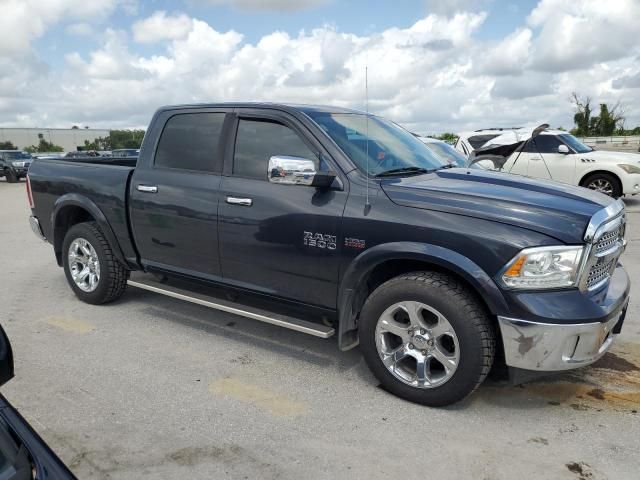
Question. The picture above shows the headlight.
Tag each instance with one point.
(629, 168)
(17, 164)
(543, 267)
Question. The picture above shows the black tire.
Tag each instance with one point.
(590, 182)
(113, 275)
(472, 326)
(10, 176)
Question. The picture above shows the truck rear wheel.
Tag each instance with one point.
(427, 338)
(91, 268)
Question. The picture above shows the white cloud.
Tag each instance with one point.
(279, 5)
(434, 75)
(577, 34)
(159, 26)
(509, 56)
(22, 21)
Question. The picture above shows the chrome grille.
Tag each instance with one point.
(609, 240)
(605, 244)
(600, 272)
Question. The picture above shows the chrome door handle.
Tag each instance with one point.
(247, 202)
(535, 158)
(147, 189)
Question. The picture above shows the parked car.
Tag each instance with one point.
(82, 154)
(125, 152)
(331, 221)
(558, 155)
(23, 453)
(14, 164)
(445, 152)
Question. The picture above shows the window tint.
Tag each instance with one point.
(477, 141)
(259, 140)
(545, 144)
(190, 141)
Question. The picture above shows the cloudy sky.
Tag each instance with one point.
(434, 65)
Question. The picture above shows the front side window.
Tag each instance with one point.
(376, 145)
(259, 140)
(190, 141)
(575, 144)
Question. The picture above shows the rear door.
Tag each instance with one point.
(174, 197)
(275, 238)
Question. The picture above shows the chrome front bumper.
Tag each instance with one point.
(35, 226)
(551, 347)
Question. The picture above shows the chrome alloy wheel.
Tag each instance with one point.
(417, 344)
(84, 265)
(601, 185)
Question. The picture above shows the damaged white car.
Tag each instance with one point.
(556, 155)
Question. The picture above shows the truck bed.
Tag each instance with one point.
(105, 184)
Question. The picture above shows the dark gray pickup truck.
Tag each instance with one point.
(331, 221)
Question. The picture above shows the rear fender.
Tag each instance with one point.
(76, 200)
(350, 297)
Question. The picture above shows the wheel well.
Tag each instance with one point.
(586, 177)
(392, 268)
(66, 218)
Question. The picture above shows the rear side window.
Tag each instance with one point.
(547, 143)
(259, 140)
(190, 141)
(477, 141)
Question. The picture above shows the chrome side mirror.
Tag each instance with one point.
(563, 149)
(297, 171)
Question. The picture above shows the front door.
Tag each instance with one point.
(174, 201)
(547, 162)
(278, 239)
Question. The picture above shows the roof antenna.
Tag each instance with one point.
(367, 205)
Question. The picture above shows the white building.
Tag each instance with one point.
(68, 138)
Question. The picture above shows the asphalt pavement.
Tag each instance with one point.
(154, 387)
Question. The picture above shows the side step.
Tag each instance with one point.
(310, 328)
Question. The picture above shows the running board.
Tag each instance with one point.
(310, 328)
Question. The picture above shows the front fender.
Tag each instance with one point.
(362, 266)
(76, 200)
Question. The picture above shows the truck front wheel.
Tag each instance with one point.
(91, 268)
(427, 338)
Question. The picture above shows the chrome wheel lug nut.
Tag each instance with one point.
(411, 346)
(422, 331)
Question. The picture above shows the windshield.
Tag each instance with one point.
(389, 146)
(447, 153)
(574, 143)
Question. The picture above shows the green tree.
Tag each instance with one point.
(582, 116)
(7, 146)
(448, 137)
(125, 138)
(44, 146)
(606, 123)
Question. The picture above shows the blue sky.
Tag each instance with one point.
(434, 65)
(361, 17)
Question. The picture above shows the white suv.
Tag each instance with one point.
(558, 155)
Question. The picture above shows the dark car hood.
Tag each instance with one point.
(551, 208)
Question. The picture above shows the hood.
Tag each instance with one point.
(611, 157)
(560, 211)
